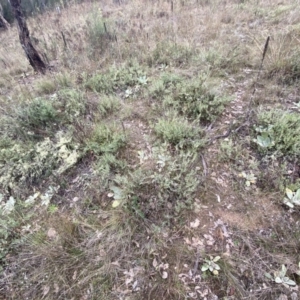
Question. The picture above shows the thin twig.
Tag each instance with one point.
(196, 262)
(260, 67)
(204, 165)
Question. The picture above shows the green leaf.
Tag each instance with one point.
(143, 80)
(278, 280)
(289, 193)
(205, 267)
(296, 201)
(283, 271)
(269, 276)
(31, 199)
(116, 203)
(118, 193)
(288, 281)
(264, 140)
(217, 258)
(252, 178)
(297, 195)
(288, 202)
(10, 205)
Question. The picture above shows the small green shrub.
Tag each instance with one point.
(115, 79)
(108, 105)
(177, 130)
(106, 139)
(196, 101)
(71, 103)
(101, 83)
(278, 132)
(164, 85)
(36, 116)
(42, 117)
(163, 192)
(190, 98)
(5, 142)
(106, 167)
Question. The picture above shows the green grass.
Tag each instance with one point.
(36, 118)
(108, 105)
(41, 117)
(106, 139)
(177, 130)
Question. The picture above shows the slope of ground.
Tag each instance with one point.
(158, 158)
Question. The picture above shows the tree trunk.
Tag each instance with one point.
(33, 56)
(3, 22)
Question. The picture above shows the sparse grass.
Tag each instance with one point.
(64, 80)
(99, 33)
(74, 249)
(221, 59)
(283, 57)
(171, 54)
(46, 86)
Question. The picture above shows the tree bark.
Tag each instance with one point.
(33, 56)
(3, 22)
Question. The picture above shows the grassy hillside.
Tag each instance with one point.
(158, 158)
